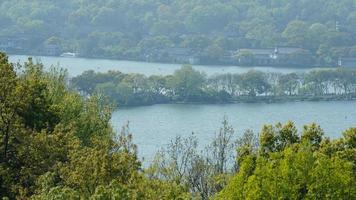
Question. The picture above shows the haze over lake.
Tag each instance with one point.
(76, 66)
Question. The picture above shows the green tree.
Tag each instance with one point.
(288, 83)
(187, 83)
(254, 83)
(312, 134)
(8, 102)
(295, 33)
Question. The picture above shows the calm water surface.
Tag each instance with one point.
(154, 126)
(76, 66)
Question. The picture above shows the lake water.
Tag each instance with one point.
(154, 126)
(76, 66)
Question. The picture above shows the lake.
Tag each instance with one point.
(154, 126)
(76, 66)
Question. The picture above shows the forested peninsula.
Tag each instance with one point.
(188, 85)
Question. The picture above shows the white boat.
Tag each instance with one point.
(69, 55)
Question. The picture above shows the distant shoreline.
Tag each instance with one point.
(254, 100)
(176, 63)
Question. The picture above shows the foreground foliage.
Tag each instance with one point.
(279, 164)
(58, 145)
(289, 167)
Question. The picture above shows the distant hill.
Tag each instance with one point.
(152, 29)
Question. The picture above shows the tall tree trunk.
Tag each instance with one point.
(6, 141)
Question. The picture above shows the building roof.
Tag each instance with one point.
(270, 51)
(259, 51)
(288, 50)
(179, 50)
(349, 59)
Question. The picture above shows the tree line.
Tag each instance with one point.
(57, 144)
(278, 163)
(149, 29)
(187, 85)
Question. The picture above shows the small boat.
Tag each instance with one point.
(69, 55)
